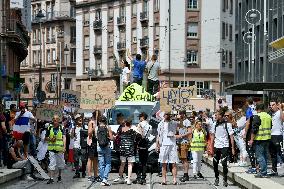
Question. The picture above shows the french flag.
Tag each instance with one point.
(21, 126)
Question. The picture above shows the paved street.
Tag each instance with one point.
(68, 182)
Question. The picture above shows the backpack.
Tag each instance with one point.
(226, 127)
(83, 137)
(102, 136)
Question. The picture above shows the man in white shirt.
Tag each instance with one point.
(276, 134)
(222, 132)
(154, 71)
(166, 144)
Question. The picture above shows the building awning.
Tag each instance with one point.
(267, 86)
(278, 43)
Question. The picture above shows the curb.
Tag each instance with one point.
(240, 177)
(7, 175)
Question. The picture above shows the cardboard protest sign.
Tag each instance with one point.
(46, 112)
(135, 92)
(97, 94)
(70, 98)
(175, 99)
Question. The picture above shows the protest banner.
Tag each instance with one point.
(70, 98)
(175, 99)
(46, 112)
(97, 94)
(135, 92)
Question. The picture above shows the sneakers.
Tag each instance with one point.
(83, 175)
(90, 179)
(251, 171)
(59, 179)
(200, 175)
(105, 183)
(216, 183)
(273, 173)
(194, 177)
(279, 165)
(128, 181)
(50, 181)
(120, 180)
(97, 179)
(77, 175)
(259, 175)
(159, 174)
(225, 183)
(184, 178)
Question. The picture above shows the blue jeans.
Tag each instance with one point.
(261, 152)
(104, 157)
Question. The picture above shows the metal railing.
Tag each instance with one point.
(121, 45)
(121, 20)
(144, 42)
(97, 49)
(274, 56)
(97, 24)
(55, 15)
(143, 16)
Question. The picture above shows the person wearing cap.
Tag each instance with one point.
(144, 129)
(79, 151)
(55, 137)
(184, 130)
(166, 145)
(22, 127)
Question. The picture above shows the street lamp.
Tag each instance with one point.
(252, 17)
(248, 39)
(39, 16)
(221, 52)
(66, 51)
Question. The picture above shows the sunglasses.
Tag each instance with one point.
(226, 115)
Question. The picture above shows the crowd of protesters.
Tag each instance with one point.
(247, 134)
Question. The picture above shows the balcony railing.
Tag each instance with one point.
(121, 46)
(121, 21)
(276, 56)
(97, 50)
(55, 15)
(144, 16)
(144, 42)
(97, 25)
(15, 28)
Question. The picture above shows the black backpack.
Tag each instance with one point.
(102, 136)
(83, 137)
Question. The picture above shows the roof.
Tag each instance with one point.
(260, 86)
(278, 43)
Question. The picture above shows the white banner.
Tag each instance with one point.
(16, 4)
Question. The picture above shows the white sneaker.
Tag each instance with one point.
(279, 165)
(119, 180)
(105, 183)
(29, 178)
(128, 182)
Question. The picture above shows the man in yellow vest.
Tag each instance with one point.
(261, 135)
(55, 137)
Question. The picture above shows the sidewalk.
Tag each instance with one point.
(7, 175)
(240, 177)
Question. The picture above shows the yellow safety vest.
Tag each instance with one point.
(198, 141)
(264, 132)
(58, 144)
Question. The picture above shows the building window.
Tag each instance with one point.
(98, 40)
(192, 30)
(48, 56)
(110, 39)
(38, 57)
(157, 31)
(231, 32)
(110, 64)
(145, 6)
(231, 6)
(199, 86)
(145, 32)
(192, 4)
(67, 83)
(224, 5)
(223, 30)
(110, 14)
(227, 4)
(122, 11)
(86, 65)
(86, 19)
(98, 14)
(156, 5)
(227, 33)
(73, 34)
(134, 36)
(34, 37)
(25, 89)
(230, 59)
(39, 36)
(53, 56)
(86, 42)
(73, 55)
(134, 9)
(192, 57)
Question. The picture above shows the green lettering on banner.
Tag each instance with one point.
(135, 92)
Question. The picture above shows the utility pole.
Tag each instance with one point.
(169, 43)
(264, 79)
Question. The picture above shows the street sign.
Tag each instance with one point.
(41, 96)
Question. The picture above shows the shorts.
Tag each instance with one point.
(130, 159)
(183, 151)
(92, 152)
(56, 160)
(26, 138)
(168, 154)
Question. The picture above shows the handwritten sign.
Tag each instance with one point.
(46, 112)
(70, 98)
(135, 92)
(175, 99)
(97, 94)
